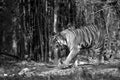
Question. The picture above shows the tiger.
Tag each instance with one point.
(87, 37)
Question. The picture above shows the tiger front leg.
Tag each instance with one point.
(73, 53)
(56, 56)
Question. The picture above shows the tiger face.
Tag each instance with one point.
(58, 41)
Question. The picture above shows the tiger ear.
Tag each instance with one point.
(53, 36)
(53, 33)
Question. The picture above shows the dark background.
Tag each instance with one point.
(27, 25)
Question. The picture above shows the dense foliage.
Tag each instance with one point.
(27, 25)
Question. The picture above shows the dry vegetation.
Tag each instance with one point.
(39, 71)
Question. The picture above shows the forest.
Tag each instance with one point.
(27, 26)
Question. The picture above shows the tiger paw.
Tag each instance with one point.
(64, 66)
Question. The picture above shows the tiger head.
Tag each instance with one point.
(57, 45)
(57, 41)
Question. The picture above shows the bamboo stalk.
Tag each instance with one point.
(107, 27)
(42, 30)
(56, 8)
(39, 32)
(45, 29)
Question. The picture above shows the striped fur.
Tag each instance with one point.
(77, 39)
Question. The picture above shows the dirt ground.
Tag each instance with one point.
(11, 70)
